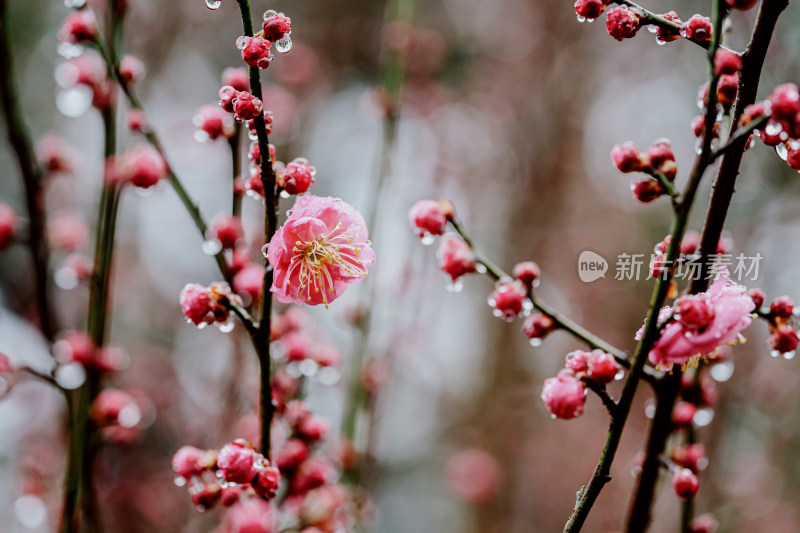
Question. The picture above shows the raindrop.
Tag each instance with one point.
(264, 250)
(427, 239)
(682, 32)
(241, 42)
(789, 355)
(480, 268)
(213, 4)
(74, 3)
(773, 128)
(201, 325)
(455, 286)
(227, 327)
(200, 136)
(703, 417)
(581, 18)
(782, 152)
(794, 145)
(66, 75)
(212, 247)
(660, 42)
(144, 192)
(650, 409)
(775, 353)
(293, 370)
(285, 194)
(284, 44)
(74, 102)
(179, 481)
(589, 20)
(129, 416)
(536, 341)
(269, 13)
(619, 375)
(66, 278)
(69, 50)
(722, 371)
(652, 28)
(328, 376)
(497, 313)
(308, 367)
(70, 376)
(30, 511)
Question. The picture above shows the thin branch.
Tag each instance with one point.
(602, 393)
(262, 337)
(32, 176)
(738, 135)
(560, 321)
(189, 204)
(47, 378)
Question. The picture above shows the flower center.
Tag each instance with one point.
(317, 263)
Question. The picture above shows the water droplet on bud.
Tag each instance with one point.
(179, 481)
(427, 239)
(619, 375)
(269, 13)
(70, 376)
(703, 417)
(213, 4)
(227, 327)
(455, 286)
(74, 3)
(789, 355)
(536, 341)
(264, 251)
(211, 247)
(782, 151)
(581, 18)
(284, 44)
(69, 50)
(74, 102)
(242, 41)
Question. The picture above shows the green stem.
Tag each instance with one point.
(188, 203)
(32, 176)
(559, 320)
(393, 75)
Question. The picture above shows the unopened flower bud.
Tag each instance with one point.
(685, 483)
(564, 396)
(622, 23)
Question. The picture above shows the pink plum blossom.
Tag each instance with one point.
(321, 249)
(730, 309)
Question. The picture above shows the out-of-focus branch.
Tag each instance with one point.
(32, 176)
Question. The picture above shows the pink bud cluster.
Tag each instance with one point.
(243, 105)
(118, 415)
(565, 395)
(782, 129)
(78, 347)
(142, 166)
(658, 159)
(207, 305)
(783, 325)
(296, 177)
(701, 323)
(623, 22)
(88, 70)
(78, 27)
(234, 473)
